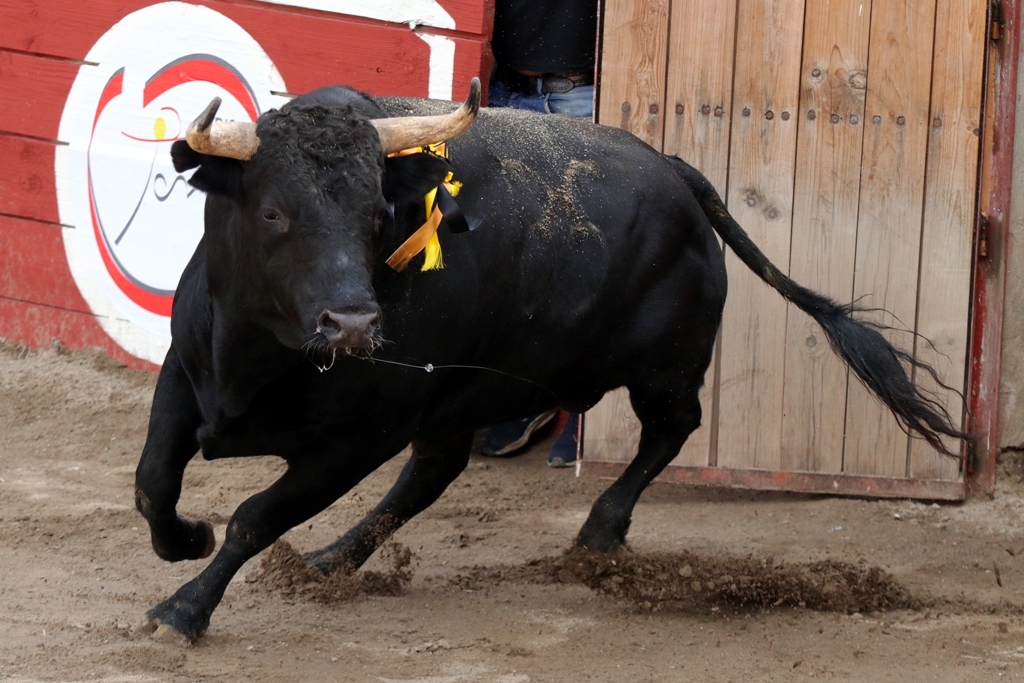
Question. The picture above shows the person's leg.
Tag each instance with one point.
(530, 102)
(498, 93)
(509, 438)
(578, 102)
(563, 453)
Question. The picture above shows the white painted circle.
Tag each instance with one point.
(133, 221)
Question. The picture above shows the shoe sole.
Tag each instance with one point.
(558, 462)
(536, 424)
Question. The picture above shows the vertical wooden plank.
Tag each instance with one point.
(761, 167)
(825, 197)
(889, 227)
(949, 206)
(698, 100)
(632, 92)
(612, 431)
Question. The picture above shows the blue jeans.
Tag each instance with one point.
(578, 102)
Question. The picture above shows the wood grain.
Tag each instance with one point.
(632, 70)
(33, 91)
(882, 209)
(944, 297)
(760, 195)
(34, 267)
(825, 198)
(808, 482)
(699, 88)
(310, 49)
(26, 179)
(889, 225)
(612, 432)
(697, 122)
(471, 16)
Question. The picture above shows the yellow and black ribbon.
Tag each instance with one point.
(439, 204)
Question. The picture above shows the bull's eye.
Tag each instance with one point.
(273, 219)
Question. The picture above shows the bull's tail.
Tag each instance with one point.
(877, 363)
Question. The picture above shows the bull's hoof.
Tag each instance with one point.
(327, 562)
(601, 538)
(175, 621)
(319, 560)
(183, 539)
(165, 633)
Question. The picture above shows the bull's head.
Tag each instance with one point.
(295, 203)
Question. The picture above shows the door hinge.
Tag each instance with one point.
(983, 224)
(997, 24)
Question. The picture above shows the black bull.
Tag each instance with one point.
(596, 266)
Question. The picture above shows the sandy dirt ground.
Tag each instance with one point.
(488, 599)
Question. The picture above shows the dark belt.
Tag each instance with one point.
(549, 83)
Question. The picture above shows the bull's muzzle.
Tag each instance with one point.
(348, 331)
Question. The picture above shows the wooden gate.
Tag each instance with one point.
(844, 136)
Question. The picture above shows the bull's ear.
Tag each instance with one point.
(412, 176)
(216, 175)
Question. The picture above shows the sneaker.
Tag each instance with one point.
(563, 453)
(507, 439)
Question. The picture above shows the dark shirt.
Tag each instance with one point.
(551, 37)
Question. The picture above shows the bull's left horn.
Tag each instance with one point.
(407, 132)
(232, 139)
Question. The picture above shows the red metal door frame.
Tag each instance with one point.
(991, 243)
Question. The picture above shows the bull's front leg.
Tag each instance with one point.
(308, 486)
(170, 445)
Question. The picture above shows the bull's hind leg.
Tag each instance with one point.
(669, 411)
(308, 486)
(170, 444)
(435, 463)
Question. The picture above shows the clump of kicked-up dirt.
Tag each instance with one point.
(663, 579)
(283, 570)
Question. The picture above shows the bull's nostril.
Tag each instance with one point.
(348, 327)
(327, 324)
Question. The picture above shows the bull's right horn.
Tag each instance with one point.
(407, 132)
(232, 139)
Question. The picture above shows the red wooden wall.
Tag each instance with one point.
(42, 45)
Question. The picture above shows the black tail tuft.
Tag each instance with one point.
(876, 362)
